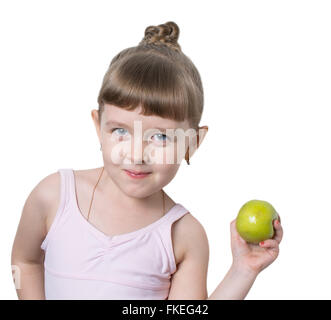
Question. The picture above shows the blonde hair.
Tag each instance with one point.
(157, 76)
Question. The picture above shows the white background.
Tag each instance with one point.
(266, 71)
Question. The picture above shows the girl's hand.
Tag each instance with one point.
(255, 257)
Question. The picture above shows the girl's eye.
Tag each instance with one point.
(161, 137)
(120, 130)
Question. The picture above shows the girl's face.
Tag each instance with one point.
(131, 141)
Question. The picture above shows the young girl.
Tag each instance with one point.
(112, 232)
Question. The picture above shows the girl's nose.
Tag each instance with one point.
(137, 151)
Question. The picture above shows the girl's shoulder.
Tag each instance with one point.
(184, 232)
(87, 178)
(50, 187)
(43, 200)
(89, 174)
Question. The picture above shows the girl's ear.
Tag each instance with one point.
(201, 134)
(202, 131)
(95, 118)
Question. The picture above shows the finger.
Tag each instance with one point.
(233, 227)
(234, 233)
(278, 236)
(269, 244)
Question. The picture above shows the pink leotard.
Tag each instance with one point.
(82, 262)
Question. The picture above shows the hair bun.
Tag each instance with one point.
(166, 33)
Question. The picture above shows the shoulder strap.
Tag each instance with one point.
(176, 213)
(65, 196)
(69, 176)
(165, 232)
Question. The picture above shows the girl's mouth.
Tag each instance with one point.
(137, 176)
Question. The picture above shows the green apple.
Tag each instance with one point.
(254, 222)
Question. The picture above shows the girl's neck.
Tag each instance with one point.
(109, 189)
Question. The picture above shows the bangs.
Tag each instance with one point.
(153, 82)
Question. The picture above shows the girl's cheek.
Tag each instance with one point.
(119, 152)
(116, 152)
(161, 155)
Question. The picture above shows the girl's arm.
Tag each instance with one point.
(27, 257)
(189, 281)
(248, 261)
(235, 285)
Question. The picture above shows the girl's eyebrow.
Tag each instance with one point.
(109, 122)
(116, 123)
